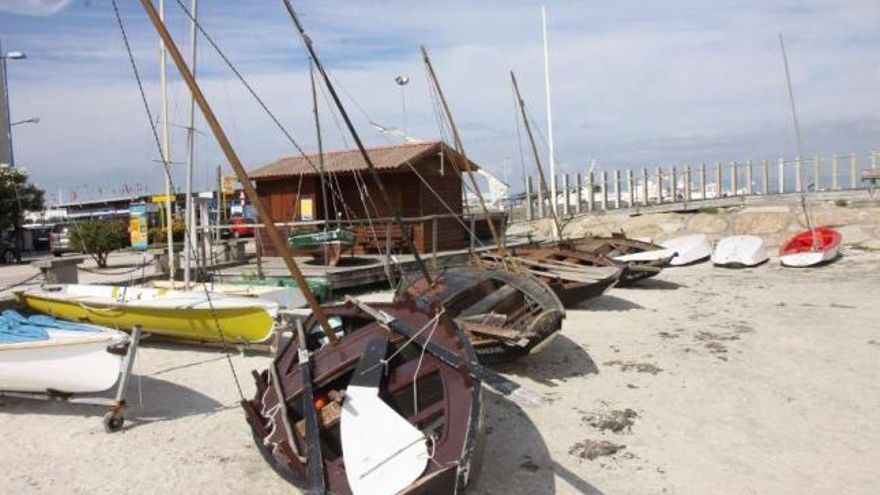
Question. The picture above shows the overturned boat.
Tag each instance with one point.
(190, 315)
(811, 247)
(739, 251)
(627, 253)
(505, 315)
(414, 417)
(689, 249)
(39, 354)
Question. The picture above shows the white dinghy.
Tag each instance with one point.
(40, 354)
(647, 256)
(689, 249)
(739, 251)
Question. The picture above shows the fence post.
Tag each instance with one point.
(617, 189)
(540, 199)
(659, 186)
(673, 185)
(852, 170)
(645, 186)
(703, 180)
(591, 198)
(817, 173)
(873, 159)
(798, 180)
(781, 175)
(630, 182)
(565, 195)
(835, 170)
(604, 188)
(578, 193)
(717, 179)
(765, 177)
(749, 177)
(530, 212)
(733, 183)
(687, 183)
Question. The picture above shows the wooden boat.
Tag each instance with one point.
(619, 249)
(689, 249)
(189, 315)
(40, 354)
(573, 274)
(739, 251)
(505, 315)
(811, 247)
(325, 246)
(440, 402)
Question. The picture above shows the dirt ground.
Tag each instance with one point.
(703, 380)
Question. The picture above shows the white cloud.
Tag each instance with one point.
(34, 7)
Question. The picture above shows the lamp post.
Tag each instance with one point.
(7, 155)
(32, 120)
(402, 81)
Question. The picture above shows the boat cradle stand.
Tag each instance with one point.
(113, 418)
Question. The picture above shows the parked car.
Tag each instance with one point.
(40, 237)
(241, 227)
(59, 239)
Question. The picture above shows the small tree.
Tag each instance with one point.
(17, 195)
(99, 238)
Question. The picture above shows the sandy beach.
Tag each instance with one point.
(717, 381)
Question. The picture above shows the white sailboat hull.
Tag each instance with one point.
(70, 362)
(739, 251)
(655, 255)
(801, 260)
(689, 249)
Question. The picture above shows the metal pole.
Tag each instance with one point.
(166, 148)
(189, 220)
(549, 114)
(7, 155)
(273, 232)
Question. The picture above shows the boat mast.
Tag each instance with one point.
(459, 146)
(373, 173)
(549, 115)
(166, 149)
(189, 221)
(522, 107)
(273, 232)
(797, 133)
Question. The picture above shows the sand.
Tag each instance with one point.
(716, 381)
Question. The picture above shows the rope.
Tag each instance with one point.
(419, 367)
(384, 362)
(21, 282)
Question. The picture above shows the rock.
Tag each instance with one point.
(706, 223)
(760, 223)
(766, 209)
(671, 227)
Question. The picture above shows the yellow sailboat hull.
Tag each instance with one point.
(236, 324)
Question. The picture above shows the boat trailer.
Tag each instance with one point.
(113, 417)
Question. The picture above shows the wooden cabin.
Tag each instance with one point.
(291, 189)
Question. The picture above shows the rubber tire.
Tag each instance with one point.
(113, 421)
(8, 258)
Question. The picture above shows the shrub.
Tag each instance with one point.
(99, 238)
(841, 203)
(711, 210)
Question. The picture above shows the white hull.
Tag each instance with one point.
(655, 255)
(71, 362)
(284, 297)
(689, 249)
(739, 251)
(801, 260)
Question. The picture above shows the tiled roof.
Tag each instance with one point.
(383, 158)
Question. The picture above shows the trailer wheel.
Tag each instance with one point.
(113, 421)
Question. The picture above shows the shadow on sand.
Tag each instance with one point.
(516, 458)
(162, 401)
(607, 302)
(561, 360)
(654, 284)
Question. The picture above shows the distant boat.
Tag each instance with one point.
(189, 315)
(40, 354)
(811, 247)
(739, 251)
(326, 246)
(689, 249)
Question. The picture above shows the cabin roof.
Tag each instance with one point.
(384, 158)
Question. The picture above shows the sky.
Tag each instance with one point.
(634, 83)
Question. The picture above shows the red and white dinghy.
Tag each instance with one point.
(811, 247)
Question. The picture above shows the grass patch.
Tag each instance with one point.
(842, 203)
(711, 210)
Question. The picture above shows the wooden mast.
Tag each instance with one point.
(460, 148)
(232, 157)
(395, 212)
(522, 107)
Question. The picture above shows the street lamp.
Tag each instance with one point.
(32, 120)
(402, 81)
(8, 155)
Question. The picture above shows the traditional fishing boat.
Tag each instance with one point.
(689, 249)
(40, 354)
(573, 274)
(505, 315)
(190, 315)
(620, 249)
(390, 418)
(739, 251)
(811, 247)
(325, 246)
